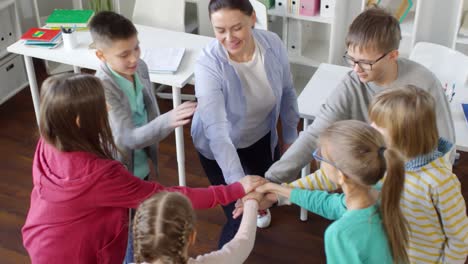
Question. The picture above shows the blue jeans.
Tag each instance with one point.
(256, 160)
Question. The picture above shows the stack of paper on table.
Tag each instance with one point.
(163, 60)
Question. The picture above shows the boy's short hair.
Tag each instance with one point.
(107, 27)
(374, 29)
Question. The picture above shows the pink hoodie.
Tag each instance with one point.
(79, 206)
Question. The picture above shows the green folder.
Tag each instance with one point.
(69, 18)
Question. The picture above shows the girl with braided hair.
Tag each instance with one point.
(164, 229)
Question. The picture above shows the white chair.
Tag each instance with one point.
(204, 24)
(262, 15)
(451, 68)
(163, 14)
(168, 15)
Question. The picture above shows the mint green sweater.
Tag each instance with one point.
(357, 236)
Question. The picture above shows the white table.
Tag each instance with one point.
(320, 86)
(323, 83)
(149, 37)
(461, 125)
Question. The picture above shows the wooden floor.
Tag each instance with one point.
(288, 240)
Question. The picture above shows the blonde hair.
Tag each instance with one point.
(359, 151)
(161, 229)
(66, 98)
(408, 114)
(374, 29)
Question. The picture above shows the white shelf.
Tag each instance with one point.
(407, 26)
(319, 19)
(313, 53)
(462, 39)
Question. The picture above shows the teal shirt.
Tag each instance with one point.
(134, 93)
(357, 236)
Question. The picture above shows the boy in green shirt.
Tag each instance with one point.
(135, 122)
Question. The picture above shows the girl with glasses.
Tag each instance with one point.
(369, 226)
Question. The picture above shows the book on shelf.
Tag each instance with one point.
(69, 18)
(163, 60)
(42, 37)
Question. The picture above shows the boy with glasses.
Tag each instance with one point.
(372, 51)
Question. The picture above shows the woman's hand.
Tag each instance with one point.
(182, 114)
(250, 182)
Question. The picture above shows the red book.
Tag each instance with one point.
(41, 34)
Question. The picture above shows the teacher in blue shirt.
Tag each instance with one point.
(243, 84)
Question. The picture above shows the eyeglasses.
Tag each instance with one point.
(365, 66)
(318, 157)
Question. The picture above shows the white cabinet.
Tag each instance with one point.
(12, 71)
(461, 42)
(434, 21)
(314, 39)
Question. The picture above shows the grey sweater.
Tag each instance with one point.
(351, 100)
(126, 135)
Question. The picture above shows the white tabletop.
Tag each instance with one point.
(327, 77)
(461, 126)
(320, 86)
(84, 57)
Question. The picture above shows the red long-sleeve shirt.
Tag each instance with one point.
(79, 206)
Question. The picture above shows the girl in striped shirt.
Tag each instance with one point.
(432, 201)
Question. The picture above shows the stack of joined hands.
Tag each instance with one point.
(263, 191)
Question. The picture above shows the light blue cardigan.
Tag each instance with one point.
(222, 106)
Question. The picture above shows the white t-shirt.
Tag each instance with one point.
(259, 97)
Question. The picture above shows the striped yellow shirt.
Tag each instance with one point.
(432, 204)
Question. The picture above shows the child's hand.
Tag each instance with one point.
(238, 210)
(254, 196)
(264, 202)
(267, 201)
(266, 188)
(181, 114)
(250, 182)
(274, 188)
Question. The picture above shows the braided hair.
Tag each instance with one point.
(161, 229)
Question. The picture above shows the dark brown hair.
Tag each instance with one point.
(242, 5)
(161, 229)
(107, 27)
(73, 115)
(408, 115)
(374, 29)
(360, 152)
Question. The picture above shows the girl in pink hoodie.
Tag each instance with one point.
(81, 195)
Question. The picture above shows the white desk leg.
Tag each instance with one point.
(179, 136)
(32, 85)
(76, 69)
(304, 172)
